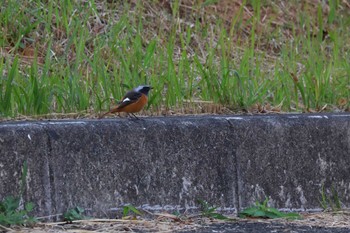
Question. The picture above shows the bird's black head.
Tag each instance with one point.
(143, 89)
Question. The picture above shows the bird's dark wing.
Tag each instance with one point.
(129, 98)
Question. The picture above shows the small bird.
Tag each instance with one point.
(132, 102)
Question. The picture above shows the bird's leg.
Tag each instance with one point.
(135, 116)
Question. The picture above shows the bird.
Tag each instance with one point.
(132, 102)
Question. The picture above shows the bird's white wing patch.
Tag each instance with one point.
(126, 100)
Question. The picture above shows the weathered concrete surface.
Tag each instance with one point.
(25, 142)
(290, 158)
(105, 164)
(170, 162)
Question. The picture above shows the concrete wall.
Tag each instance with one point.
(171, 162)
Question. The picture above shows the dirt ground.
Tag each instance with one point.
(338, 222)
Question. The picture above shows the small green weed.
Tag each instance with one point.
(11, 215)
(210, 211)
(330, 201)
(130, 209)
(11, 212)
(74, 214)
(261, 210)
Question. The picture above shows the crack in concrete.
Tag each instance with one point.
(236, 173)
(48, 179)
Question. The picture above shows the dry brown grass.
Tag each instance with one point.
(170, 223)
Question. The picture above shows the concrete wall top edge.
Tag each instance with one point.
(169, 119)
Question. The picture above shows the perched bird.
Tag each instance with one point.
(132, 102)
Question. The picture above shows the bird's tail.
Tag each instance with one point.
(113, 110)
(103, 115)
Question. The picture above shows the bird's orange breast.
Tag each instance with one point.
(136, 106)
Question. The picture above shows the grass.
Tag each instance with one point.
(330, 200)
(210, 211)
(130, 210)
(80, 57)
(262, 210)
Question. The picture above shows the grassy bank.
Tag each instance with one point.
(257, 56)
